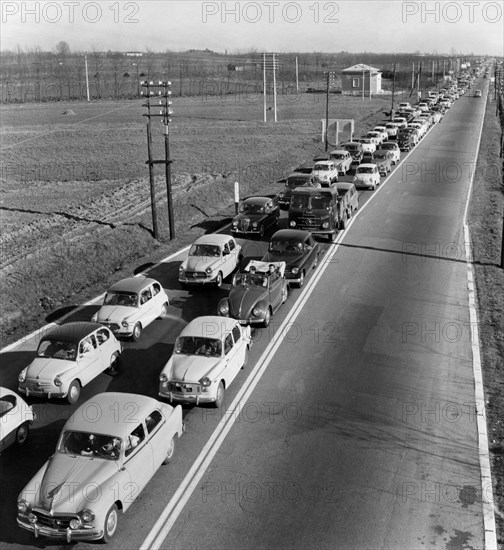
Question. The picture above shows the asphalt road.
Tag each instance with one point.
(361, 431)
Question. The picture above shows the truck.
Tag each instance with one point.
(322, 211)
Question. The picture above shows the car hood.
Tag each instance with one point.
(242, 300)
(191, 368)
(46, 369)
(291, 261)
(251, 217)
(114, 314)
(67, 483)
(199, 263)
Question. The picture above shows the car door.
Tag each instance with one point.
(138, 458)
(147, 306)
(233, 357)
(89, 360)
(275, 289)
(229, 256)
(107, 346)
(311, 246)
(154, 424)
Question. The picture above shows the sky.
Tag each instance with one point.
(450, 27)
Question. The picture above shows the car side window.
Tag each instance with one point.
(134, 439)
(153, 420)
(88, 344)
(231, 245)
(156, 289)
(102, 335)
(226, 248)
(228, 344)
(236, 333)
(145, 296)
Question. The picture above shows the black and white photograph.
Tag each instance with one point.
(251, 274)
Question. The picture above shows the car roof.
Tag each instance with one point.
(345, 185)
(366, 165)
(315, 191)
(206, 325)
(110, 413)
(394, 143)
(259, 201)
(339, 151)
(324, 162)
(294, 235)
(213, 238)
(131, 284)
(299, 176)
(71, 332)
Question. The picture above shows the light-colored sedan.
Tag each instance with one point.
(68, 358)
(108, 450)
(394, 148)
(367, 175)
(368, 144)
(207, 356)
(211, 259)
(132, 304)
(16, 417)
(343, 160)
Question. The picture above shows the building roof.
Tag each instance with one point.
(360, 68)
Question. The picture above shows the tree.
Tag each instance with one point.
(62, 49)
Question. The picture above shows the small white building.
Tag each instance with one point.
(361, 80)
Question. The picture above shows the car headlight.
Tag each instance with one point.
(292, 223)
(208, 270)
(256, 312)
(295, 270)
(235, 223)
(325, 225)
(23, 506)
(75, 523)
(57, 381)
(22, 375)
(163, 378)
(87, 516)
(124, 323)
(181, 270)
(224, 308)
(254, 224)
(205, 382)
(281, 195)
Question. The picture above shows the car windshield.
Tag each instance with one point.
(196, 345)
(251, 208)
(380, 156)
(352, 147)
(365, 170)
(250, 279)
(7, 403)
(129, 299)
(292, 183)
(205, 250)
(338, 156)
(321, 167)
(286, 247)
(304, 169)
(92, 445)
(315, 202)
(57, 350)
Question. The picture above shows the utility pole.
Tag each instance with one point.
(160, 93)
(395, 67)
(271, 63)
(87, 77)
(329, 82)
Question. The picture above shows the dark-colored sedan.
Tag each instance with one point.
(255, 215)
(297, 249)
(256, 293)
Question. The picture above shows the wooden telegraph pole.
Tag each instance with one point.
(157, 98)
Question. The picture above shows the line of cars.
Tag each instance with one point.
(116, 452)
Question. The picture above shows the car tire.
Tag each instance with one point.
(219, 398)
(22, 434)
(73, 392)
(261, 231)
(170, 453)
(332, 237)
(218, 280)
(114, 363)
(267, 318)
(137, 332)
(164, 311)
(301, 280)
(110, 523)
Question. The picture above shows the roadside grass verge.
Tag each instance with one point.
(485, 220)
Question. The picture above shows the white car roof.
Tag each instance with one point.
(211, 326)
(213, 238)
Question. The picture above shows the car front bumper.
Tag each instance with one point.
(182, 397)
(44, 391)
(197, 280)
(67, 534)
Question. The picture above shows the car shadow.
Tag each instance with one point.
(13, 362)
(60, 313)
